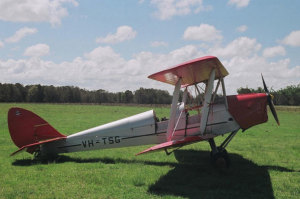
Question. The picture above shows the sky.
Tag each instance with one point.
(115, 45)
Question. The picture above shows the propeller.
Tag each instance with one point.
(270, 101)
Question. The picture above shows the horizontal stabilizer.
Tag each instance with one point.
(173, 143)
(30, 148)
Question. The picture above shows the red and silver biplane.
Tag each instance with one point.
(213, 114)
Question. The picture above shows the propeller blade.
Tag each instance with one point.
(265, 86)
(270, 101)
(272, 107)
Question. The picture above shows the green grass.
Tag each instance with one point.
(265, 162)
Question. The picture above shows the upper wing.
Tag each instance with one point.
(192, 72)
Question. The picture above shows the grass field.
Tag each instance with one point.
(265, 162)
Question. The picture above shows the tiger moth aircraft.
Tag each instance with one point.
(212, 114)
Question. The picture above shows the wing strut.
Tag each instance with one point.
(207, 100)
(171, 124)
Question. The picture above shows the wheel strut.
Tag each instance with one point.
(228, 139)
(213, 146)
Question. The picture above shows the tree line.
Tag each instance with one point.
(289, 95)
(70, 94)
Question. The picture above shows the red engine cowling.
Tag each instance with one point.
(248, 109)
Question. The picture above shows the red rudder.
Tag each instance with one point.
(26, 128)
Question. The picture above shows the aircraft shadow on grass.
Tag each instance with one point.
(193, 176)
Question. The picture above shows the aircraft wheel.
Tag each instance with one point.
(46, 158)
(220, 159)
(37, 154)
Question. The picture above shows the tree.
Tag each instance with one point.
(289, 95)
(5, 93)
(50, 94)
(128, 96)
(35, 93)
(152, 96)
(22, 92)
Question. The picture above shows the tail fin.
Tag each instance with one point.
(28, 130)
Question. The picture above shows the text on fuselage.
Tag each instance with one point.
(103, 141)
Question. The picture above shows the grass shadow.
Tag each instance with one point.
(63, 159)
(194, 177)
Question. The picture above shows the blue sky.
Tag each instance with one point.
(115, 45)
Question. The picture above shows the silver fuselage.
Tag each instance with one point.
(144, 129)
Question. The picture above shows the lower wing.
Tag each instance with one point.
(173, 143)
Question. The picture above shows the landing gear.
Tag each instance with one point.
(220, 159)
(47, 158)
(219, 156)
(37, 155)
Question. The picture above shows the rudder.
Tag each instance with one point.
(27, 128)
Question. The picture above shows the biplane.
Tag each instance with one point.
(200, 111)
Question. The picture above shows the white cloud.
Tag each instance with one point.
(103, 68)
(274, 51)
(123, 33)
(169, 8)
(20, 34)
(293, 39)
(37, 50)
(239, 3)
(246, 72)
(100, 68)
(204, 32)
(242, 28)
(1, 44)
(51, 11)
(241, 47)
(159, 43)
(104, 56)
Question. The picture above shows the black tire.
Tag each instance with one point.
(220, 159)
